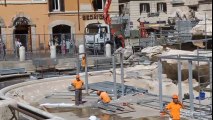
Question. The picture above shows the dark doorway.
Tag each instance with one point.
(61, 34)
(22, 32)
(60, 30)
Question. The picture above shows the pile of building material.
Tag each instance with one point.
(203, 28)
(145, 76)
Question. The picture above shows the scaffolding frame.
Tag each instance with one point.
(190, 59)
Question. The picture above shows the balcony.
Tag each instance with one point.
(205, 1)
(192, 2)
(177, 2)
(153, 14)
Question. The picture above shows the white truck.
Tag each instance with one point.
(97, 35)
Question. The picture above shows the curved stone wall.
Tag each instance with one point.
(33, 91)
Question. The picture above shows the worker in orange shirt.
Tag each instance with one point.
(105, 117)
(173, 108)
(104, 97)
(78, 85)
(83, 63)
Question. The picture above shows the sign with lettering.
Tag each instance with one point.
(93, 16)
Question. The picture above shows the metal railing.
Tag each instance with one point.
(38, 45)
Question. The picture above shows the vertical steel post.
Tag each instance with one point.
(104, 44)
(86, 67)
(180, 79)
(210, 77)
(86, 74)
(77, 64)
(39, 39)
(94, 45)
(160, 70)
(122, 73)
(191, 89)
(114, 76)
(179, 40)
(206, 32)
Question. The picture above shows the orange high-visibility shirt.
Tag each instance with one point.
(78, 84)
(83, 63)
(174, 110)
(105, 97)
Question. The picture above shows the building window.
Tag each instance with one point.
(56, 5)
(194, 8)
(121, 9)
(144, 8)
(98, 4)
(162, 7)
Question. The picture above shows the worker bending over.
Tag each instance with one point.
(173, 108)
(104, 97)
(78, 85)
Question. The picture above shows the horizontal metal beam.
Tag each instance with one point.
(29, 113)
(187, 57)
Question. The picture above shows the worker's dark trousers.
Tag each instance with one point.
(78, 97)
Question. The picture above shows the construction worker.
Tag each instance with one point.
(78, 85)
(105, 117)
(173, 108)
(83, 63)
(104, 97)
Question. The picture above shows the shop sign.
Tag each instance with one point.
(93, 16)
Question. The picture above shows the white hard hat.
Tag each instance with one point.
(93, 118)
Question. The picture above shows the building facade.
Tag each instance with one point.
(156, 13)
(47, 17)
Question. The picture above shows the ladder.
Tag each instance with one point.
(202, 75)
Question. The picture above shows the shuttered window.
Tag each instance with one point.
(162, 7)
(62, 5)
(56, 5)
(144, 8)
(121, 9)
(98, 4)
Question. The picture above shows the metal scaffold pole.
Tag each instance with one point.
(191, 88)
(86, 75)
(180, 79)
(114, 76)
(160, 70)
(122, 73)
(77, 65)
(86, 67)
(206, 32)
(210, 77)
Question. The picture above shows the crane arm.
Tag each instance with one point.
(106, 12)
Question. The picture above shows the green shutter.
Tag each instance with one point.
(62, 5)
(50, 3)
